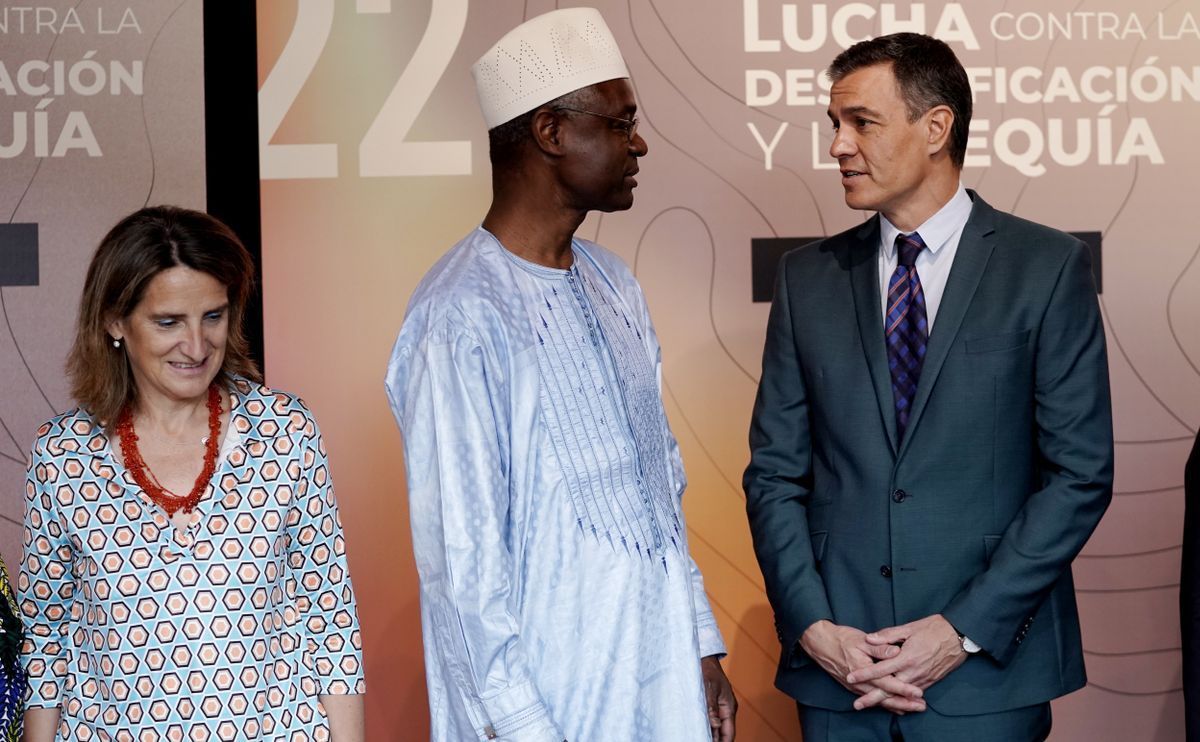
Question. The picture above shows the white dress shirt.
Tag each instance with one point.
(941, 233)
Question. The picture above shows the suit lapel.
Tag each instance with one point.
(864, 280)
(974, 250)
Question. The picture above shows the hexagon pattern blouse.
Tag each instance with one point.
(229, 630)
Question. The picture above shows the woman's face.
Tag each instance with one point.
(175, 337)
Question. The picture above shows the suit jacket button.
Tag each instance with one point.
(899, 496)
(885, 570)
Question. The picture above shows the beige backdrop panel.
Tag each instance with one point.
(377, 163)
(75, 157)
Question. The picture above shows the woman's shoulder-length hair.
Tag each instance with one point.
(142, 245)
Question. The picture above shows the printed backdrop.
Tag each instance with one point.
(374, 162)
(101, 113)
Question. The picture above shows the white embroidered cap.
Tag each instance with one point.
(543, 58)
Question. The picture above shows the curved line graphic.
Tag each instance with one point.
(646, 118)
(696, 68)
(1148, 588)
(16, 444)
(695, 434)
(13, 459)
(1155, 491)
(37, 168)
(995, 63)
(1176, 439)
(1104, 307)
(1116, 692)
(1170, 322)
(21, 353)
(700, 115)
(1164, 650)
(727, 560)
(145, 122)
(1116, 341)
(1127, 554)
(1045, 62)
(1137, 374)
(712, 278)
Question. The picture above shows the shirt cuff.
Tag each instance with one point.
(518, 715)
(710, 639)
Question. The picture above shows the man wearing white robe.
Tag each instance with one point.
(558, 597)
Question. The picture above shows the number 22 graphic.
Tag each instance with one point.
(383, 151)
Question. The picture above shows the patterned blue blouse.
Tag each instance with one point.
(229, 630)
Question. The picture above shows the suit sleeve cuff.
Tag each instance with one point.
(794, 654)
(994, 641)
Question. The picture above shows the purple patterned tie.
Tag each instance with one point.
(907, 329)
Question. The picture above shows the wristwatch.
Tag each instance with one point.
(968, 646)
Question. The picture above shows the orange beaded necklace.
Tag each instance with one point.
(141, 473)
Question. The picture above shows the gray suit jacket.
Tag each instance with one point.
(1003, 473)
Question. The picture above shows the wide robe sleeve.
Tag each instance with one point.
(446, 391)
(707, 630)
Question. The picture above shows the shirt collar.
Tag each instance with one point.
(937, 229)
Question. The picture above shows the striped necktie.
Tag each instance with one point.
(907, 329)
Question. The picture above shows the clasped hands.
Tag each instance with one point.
(890, 668)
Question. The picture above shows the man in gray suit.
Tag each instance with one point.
(932, 439)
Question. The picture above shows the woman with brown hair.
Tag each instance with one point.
(185, 572)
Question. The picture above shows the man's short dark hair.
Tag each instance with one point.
(506, 140)
(927, 73)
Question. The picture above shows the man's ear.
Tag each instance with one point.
(941, 121)
(547, 131)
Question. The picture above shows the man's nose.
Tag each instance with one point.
(842, 144)
(638, 146)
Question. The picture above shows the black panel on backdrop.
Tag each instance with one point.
(766, 252)
(231, 137)
(18, 255)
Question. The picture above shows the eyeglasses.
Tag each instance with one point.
(628, 127)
